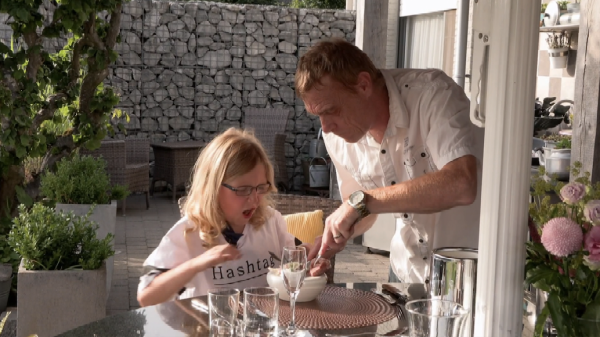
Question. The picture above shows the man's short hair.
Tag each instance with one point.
(339, 59)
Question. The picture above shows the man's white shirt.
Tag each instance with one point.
(429, 126)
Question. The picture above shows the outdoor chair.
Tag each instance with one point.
(127, 163)
(269, 128)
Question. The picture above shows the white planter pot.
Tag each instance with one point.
(106, 217)
(558, 57)
(54, 301)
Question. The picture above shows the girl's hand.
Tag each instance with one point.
(217, 255)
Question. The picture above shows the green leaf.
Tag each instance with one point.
(20, 151)
(540, 321)
(20, 119)
(21, 14)
(554, 307)
(41, 138)
(24, 140)
(580, 274)
(592, 312)
(18, 74)
(23, 197)
(4, 49)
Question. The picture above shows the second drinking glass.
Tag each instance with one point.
(293, 271)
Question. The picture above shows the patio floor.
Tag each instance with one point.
(141, 230)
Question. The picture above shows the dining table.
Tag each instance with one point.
(180, 318)
(185, 318)
(173, 163)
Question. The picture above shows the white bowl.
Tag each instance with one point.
(312, 287)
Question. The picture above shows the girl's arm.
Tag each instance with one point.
(168, 284)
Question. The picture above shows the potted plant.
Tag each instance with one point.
(563, 258)
(9, 265)
(80, 183)
(62, 276)
(558, 50)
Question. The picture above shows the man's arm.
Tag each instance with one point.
(347, 185)
(453, 185)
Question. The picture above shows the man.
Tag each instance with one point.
(402, 142)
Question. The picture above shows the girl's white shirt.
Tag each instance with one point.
(250, 270)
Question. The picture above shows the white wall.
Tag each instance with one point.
(416, 7)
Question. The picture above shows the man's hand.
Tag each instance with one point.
(322, 265)
(339, 228)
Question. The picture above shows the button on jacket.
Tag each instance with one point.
(429, 126)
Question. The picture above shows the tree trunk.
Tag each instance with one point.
(14, 177)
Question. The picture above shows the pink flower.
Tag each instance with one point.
(562, 236)
(573, 192)
(591, 211)
(592, 245)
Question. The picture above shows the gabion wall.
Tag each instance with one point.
(188, 70)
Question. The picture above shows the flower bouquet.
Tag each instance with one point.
(563, 257)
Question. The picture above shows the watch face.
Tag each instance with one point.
(356, 197)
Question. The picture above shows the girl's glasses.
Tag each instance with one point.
(244, 191)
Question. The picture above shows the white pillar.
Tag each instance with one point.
(351, 5)
(391, 58)
(513, 38)
(371, 29)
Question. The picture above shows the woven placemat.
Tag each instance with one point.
(339, 308)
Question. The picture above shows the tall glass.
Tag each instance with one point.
(293, 271)
(223, 307)
(436, 318)
(261, 312)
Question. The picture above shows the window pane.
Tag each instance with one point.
(425, 41)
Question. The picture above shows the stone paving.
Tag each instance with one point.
(141, 230)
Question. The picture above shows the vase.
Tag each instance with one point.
(588, 328)
(558, 57)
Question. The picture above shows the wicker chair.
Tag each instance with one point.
(269, 127)
(127, 163)
(291, 203)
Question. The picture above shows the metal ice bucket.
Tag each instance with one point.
(453, 278)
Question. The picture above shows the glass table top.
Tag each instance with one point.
(181, 318)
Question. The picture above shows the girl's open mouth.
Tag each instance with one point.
(248, 213)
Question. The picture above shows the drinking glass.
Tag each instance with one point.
(261, 312)
(223, 307)
(293, 271)
(436, 318)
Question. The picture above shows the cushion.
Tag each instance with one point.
(305, 226)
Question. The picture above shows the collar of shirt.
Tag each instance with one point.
(400, 119)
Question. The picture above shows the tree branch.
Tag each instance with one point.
(115, 26)
(55, 20)
(75, 65)
(91, 34)
(47, 112)
(88, 89)
(35, 59)
(65, 146)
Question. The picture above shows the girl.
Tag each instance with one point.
(228, 230)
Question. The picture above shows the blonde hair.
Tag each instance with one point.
(339, 59)
(228, 156)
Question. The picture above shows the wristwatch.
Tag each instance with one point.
(358, 201)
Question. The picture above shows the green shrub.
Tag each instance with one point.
(50, 240)
(323, 4)
(80, 180)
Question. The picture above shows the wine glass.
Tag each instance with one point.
(293, 271)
